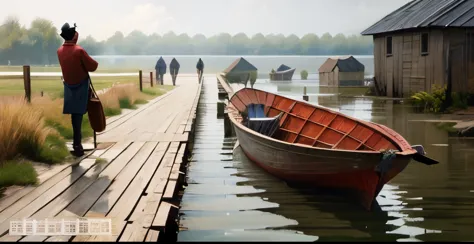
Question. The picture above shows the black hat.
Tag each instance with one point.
(67, 32)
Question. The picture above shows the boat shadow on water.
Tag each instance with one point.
(329, 214)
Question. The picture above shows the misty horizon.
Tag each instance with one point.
(208, 17)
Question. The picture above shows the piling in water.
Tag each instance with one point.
(220, 109)
(305, 97)
(228, 128)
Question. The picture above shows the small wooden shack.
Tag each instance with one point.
(241, 71)
(422, 44)
(342, 71)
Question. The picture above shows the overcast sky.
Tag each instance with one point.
(101, 18)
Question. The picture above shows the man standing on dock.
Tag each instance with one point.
(75, 64)
(200, 69)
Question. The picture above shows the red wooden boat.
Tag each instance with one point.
(303, 143)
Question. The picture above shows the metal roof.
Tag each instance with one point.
(345, 64)
(283, 68)
(426, 13)
(240, 65)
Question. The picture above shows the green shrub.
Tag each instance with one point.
(125, 102)
(460, 100)
(304, 74)
(430, 102)
(53, 151)
(141, 101)
(253, 78)
(112, 111)
(17, 173)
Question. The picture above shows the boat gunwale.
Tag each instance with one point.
(366, 123)
(283, 72)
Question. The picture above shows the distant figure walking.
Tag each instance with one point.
(200, 69)
(174, 70)
(160, 69)
(75, 64)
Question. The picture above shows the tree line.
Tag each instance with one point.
(38, 44)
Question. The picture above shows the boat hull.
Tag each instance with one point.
(313, 167)
(282, 75)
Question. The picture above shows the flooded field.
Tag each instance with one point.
(230, 199)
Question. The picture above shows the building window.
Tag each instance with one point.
(424, 43)
(389, 46)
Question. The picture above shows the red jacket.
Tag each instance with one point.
(70, 57)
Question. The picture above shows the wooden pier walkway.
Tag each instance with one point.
(137, 185)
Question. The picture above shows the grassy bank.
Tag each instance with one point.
(53, 87)
(37, 132)
(101, 69)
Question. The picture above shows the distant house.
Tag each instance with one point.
(342, 71)
(241, 71)
(414, 45)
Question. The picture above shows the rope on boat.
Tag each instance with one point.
(386, 163)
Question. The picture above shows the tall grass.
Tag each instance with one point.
(21, 128)
(126, 97)
(23, 132)
(37, 131)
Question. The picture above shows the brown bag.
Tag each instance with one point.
(95, 110)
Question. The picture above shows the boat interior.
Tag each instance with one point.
(298, 122)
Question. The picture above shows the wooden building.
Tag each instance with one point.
(420, 44)
(241, 71)
(344, 71)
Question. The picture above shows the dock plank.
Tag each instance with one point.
(152, 236)
(170, 189)
(86, 191)
(48, 195)
(32, 192)
(162, 215)
(107, 200)
(142, 217)
(127, 202)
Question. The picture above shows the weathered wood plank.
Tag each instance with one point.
(175, 171)
(127, 202)
(84, 192)
(32, 192)
(123, 119)
(107, 200)
(46, 196)
(143, 215)
(152, 236)
(93, 190)
(170, 189)
(58, 239)
(162, 215)
(181, 129)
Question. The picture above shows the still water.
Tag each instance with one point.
(230, 199)
(216, 64)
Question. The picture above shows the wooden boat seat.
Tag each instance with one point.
(257, 121)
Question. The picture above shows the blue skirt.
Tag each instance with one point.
(76, 97)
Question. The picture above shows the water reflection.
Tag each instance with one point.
(229, 194)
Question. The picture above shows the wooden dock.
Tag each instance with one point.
(137, 186)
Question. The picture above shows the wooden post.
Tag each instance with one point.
(220, 109)
(27, 82)
(305, 97)
(228, 128)
(151, 78)
(140, 80)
